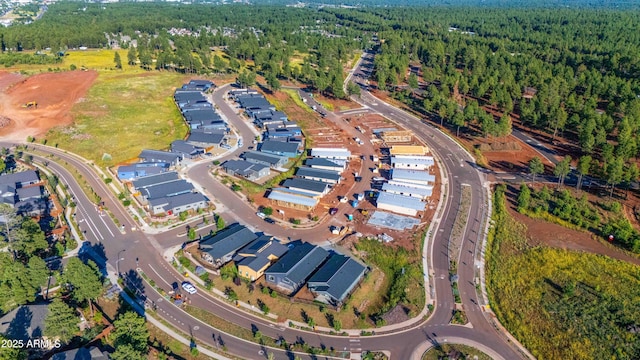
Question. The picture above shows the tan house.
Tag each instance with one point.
(254, 259)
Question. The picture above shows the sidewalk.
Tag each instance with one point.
(157, 323)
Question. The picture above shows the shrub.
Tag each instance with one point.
(264, 308)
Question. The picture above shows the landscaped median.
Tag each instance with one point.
(227, 327)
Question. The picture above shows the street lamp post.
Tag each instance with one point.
(118, 261)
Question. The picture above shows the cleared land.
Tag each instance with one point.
(32, 105)
(122, 114)
(92, 113)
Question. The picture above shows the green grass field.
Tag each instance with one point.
(455, 351)
(122, 114)
(561, 304)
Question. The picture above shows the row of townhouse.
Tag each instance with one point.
(313, 180)
(409, 183)
(167, 194)
(330, 276)
(207, 130)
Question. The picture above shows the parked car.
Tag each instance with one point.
(333, 211)
(261, 215)
(269, 220)
(343, 199)
(188, 287)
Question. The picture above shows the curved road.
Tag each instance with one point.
(144, 251)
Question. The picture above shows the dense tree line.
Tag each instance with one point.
(566, 72)
(267, 36)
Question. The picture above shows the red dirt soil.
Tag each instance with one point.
(55, 94)
(541, 232)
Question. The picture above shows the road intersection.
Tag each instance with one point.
(136, 251)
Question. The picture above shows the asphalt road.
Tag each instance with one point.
(129, 250)
(460, 169)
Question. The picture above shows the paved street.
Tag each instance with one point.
(128, 249)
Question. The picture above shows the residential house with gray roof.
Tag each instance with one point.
(148, 155)
(219, 249)
(176, 204)
(255, 258)
(245, 169)
(294, 268)
(270, 160)
(151, 180)
(134, 171)
(167, 189)
(206, 139)
(281, 148)
(336, 279)
(20, 192)
(330, 177)
(312, 186)
(187, 150)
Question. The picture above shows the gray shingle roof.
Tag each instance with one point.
(279, 146)
(256, 155)
(159, 156)
(172, 188)
(299, 262)
(29, 176)
(154, 179)
(29, 192)
(183, 147)
(337, 276)
(254, 263)
(318, 173)
(24, 323)
(322, 162)
(264, 245)
(242, 167)
(227, 241)
(306, 184)
(178, 200)
(213, 138)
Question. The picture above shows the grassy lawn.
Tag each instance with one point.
(321, 315)
(403, 276)
(561, 304)
(447, 351)
(293, 94)
(124, 112)
(163, 346)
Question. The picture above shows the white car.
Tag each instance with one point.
(261, 215)
(188, 287)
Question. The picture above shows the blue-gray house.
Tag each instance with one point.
(293, 269)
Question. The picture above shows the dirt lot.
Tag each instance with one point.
(54, 93)
(541, 232)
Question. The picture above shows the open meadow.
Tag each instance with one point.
(124, 110)
(561, 304)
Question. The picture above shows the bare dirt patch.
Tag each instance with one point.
(55, 95)
(9, 78)
(541, 232)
